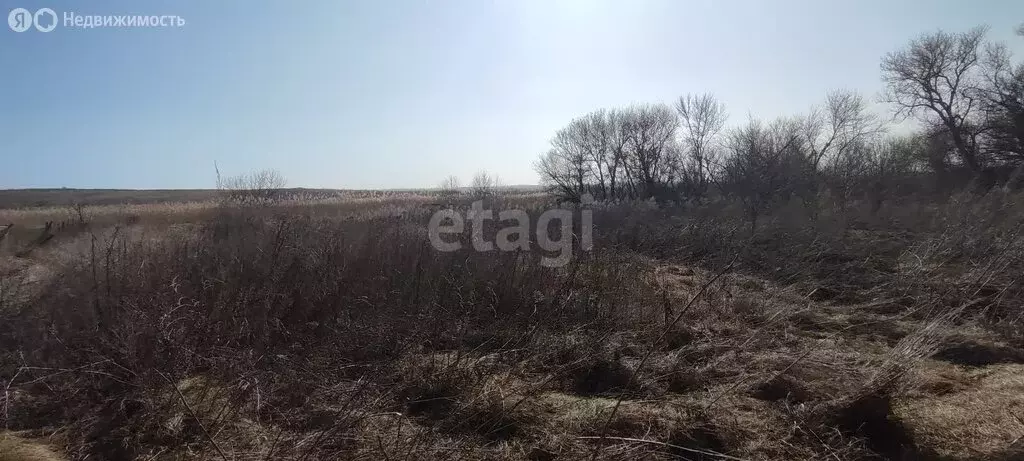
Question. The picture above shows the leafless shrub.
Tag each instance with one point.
(260, 188)
(873, 171)
(450, 187)
(766, 165)
(484, 185)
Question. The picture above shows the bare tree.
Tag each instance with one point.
(569, 165)
(1003, 105)
(765, 164)
(560, 172)
(585, 156)
(484, 184)
(598, 139)
(702, 118)
(263, 187)
(873, 169)
(649, 130)
(844, 173)
(618, 137)
(935, 79)
(843, 122)
(450, 186)
(889, 165)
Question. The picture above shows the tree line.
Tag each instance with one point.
(966, 92)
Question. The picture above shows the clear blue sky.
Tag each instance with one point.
(388, 93)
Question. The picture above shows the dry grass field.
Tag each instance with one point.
(330, 329)
(723, 259)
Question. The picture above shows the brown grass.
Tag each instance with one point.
(331, 330)
(16, 448)
(981, 417)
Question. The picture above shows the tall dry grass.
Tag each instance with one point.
(289, 302)
(332, 330)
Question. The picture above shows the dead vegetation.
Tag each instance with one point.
(275, 334)
(14, 447)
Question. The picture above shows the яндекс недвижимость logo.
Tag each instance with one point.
(45, 20)
(20, 19)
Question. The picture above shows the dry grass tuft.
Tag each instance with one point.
(979, 416)
(16, 448)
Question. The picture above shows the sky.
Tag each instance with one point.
(402, 93)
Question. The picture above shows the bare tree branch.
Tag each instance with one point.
(935, 79)
(702, 118)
